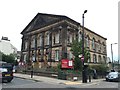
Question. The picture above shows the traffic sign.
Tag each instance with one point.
(82, 58)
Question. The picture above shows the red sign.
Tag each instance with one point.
(67, 63)
(82, 58)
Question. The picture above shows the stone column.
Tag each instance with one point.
(35, 48)
(21, 58)
(29, 48)
(42, 48)
(64, 41)
(50, 46)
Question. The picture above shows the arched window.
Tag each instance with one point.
(33, 42)
(69, 37)
(39, 39)
(89, 60)
(99, 59)
(56, 37)
(104, 59)
(94, 58)
(47, 36)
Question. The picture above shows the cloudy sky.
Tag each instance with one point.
(102, 17)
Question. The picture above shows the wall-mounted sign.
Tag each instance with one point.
(66, 63)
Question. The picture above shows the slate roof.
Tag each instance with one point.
(42, 20)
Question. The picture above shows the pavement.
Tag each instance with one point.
(53, 80)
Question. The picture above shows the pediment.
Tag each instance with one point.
(41, 20)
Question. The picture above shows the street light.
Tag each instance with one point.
(84, 77)
(112, 55)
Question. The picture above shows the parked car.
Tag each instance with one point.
(113, 76)
(6, 73)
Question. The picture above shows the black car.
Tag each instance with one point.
(113, 76)
(6, 72)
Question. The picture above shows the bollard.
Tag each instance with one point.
(31, 73)
(89, 78)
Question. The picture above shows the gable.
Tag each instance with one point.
(41, 20)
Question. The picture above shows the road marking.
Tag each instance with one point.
(90, 84)
(72, 83)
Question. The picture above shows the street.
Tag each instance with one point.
(25, 83)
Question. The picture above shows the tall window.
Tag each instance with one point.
(56, 55)
(79, 36)
(104, 59)
(104, 47)
(89, 60)
(33, 56)
(93, 43)
(71, 38)
(41, 39)
(74, 36)
(25, 57)
(57, 37)
(38, 40)
(26, 44)
(87, 41)
(99, 59)
(33, 41)
(47, 38)
(94, 58)
(99, 46)
(68, 36)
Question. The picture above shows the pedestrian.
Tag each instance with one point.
(94, 74)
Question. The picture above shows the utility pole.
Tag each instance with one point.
(112, 55)
(84, 76)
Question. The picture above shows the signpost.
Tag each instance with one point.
(82, 58)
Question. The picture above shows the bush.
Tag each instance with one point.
(101, 69)
(73, 72)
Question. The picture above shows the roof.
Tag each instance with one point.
(95, 33)
(42, 20)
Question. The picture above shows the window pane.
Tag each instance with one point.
(56, 55)
(57, 38)
(40, 40)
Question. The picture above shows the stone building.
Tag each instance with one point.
(46, 40)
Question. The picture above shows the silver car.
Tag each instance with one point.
(113, 76)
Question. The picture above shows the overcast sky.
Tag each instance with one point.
(102, 17)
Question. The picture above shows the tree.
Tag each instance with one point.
(76, 48)
(8, 58)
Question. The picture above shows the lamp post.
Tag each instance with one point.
(112, 55)
(84, 77)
